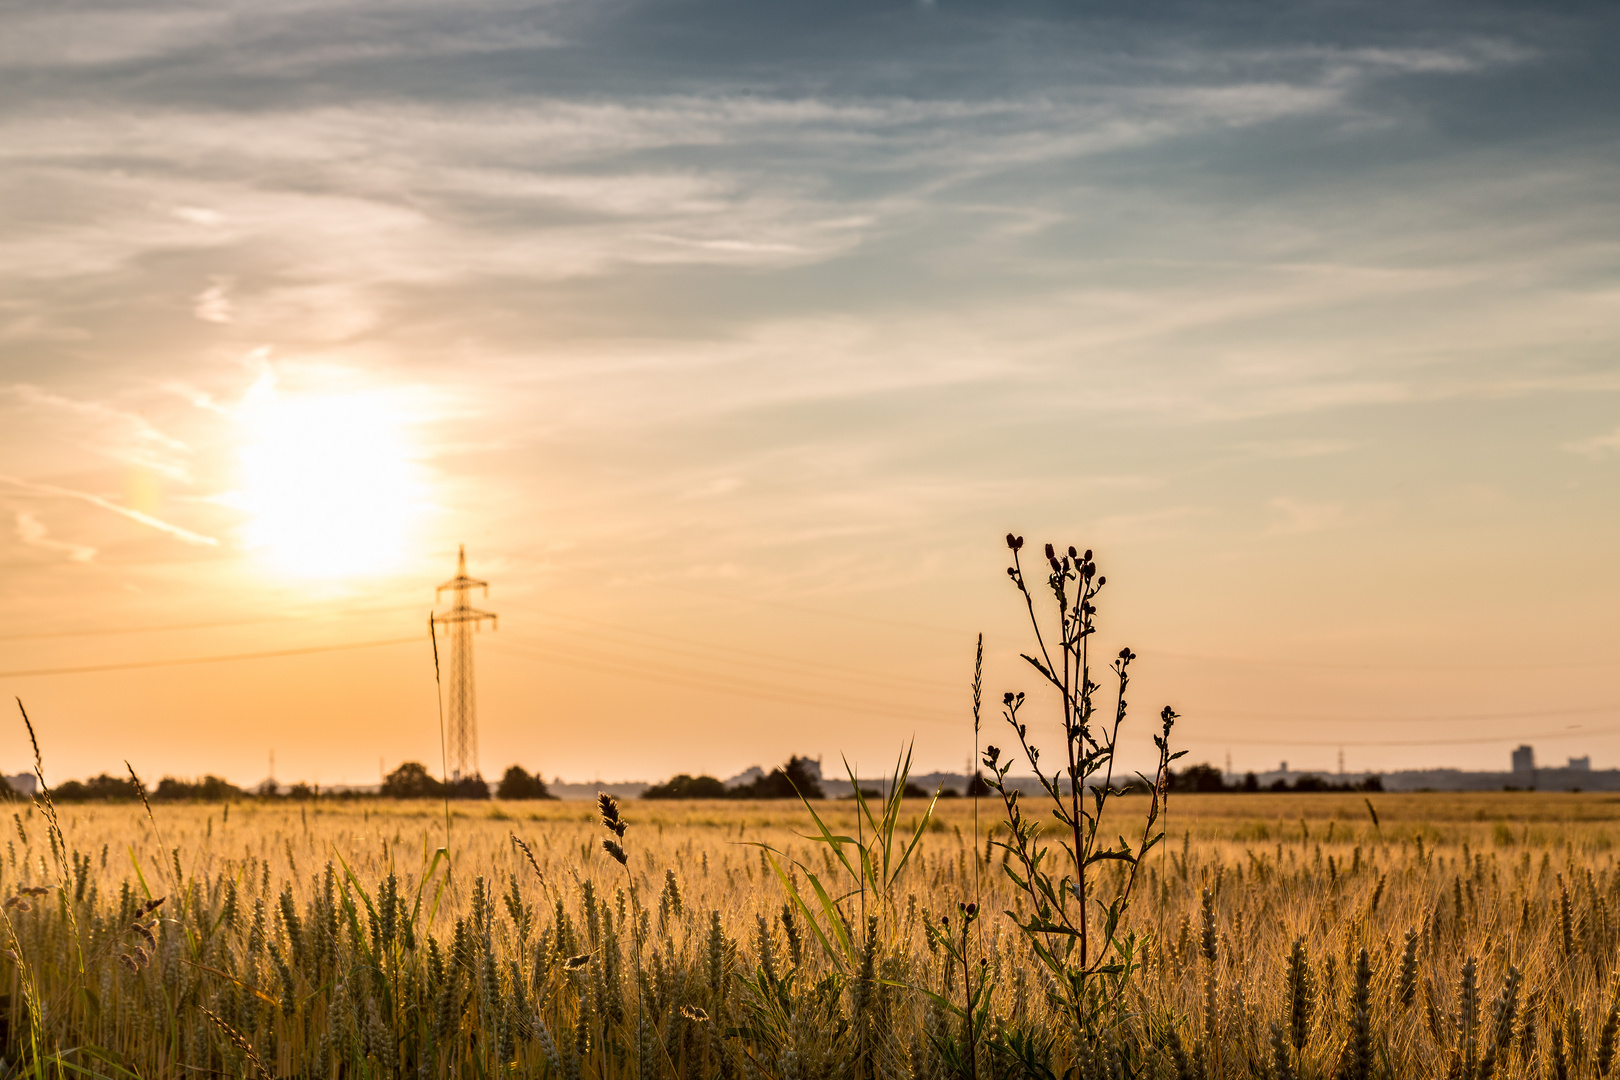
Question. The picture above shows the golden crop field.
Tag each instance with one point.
(331, 939)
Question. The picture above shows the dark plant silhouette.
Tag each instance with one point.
(1090, 960)
(517, 783)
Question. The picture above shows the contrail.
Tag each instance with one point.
(148, 520)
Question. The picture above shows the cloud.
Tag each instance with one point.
(118, 433)
(212, 304)
(30, 530)
(183, 535)
(1296, 517)
(1597, 446)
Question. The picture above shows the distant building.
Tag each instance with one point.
(747, 776)
(1584, 764)
(1524, 759)
(23, 783)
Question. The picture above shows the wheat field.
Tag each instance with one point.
(1458, 934)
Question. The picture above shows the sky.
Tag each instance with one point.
(732, 339)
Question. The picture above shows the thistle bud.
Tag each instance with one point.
(1012, 541)
(1072, 552)
(1049, 551)
(1087, 555)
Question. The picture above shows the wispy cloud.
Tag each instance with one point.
(213, 304)
(181, 534)
(118, 433)
(1296, 517)
(1597, 446)
(32, 531)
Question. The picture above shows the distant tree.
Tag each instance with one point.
(1251, 782)
(215, 789)
(1198, 778)
(301, 792)
(1279, 784)
(518, 784)
(785, 782)
(101, 788)
(976, 787)
(790, 781)
(684, 786)
(1312, 783)
(468, 787)
(208, 789)
(170, 789)
(914, 791)
(411, 781)
(1372, 783)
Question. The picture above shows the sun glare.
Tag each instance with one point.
(328, 481)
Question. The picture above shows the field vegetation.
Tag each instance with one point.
(1280, 935)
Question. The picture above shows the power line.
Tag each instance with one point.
(766, 661)
(109, 631)
(735, 688)
(1470, 741)
(1325, 665)
(1409, 718)
(787, 606)
(225, 658)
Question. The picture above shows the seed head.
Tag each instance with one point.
(610, 814)
(612, 848)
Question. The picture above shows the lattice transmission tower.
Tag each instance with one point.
(459, 623)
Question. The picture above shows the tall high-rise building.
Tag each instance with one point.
(1524, 759)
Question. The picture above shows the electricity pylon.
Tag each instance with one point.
(459, 623)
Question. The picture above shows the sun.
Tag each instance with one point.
(329, 481)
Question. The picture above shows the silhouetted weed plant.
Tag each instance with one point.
(1089, 960)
